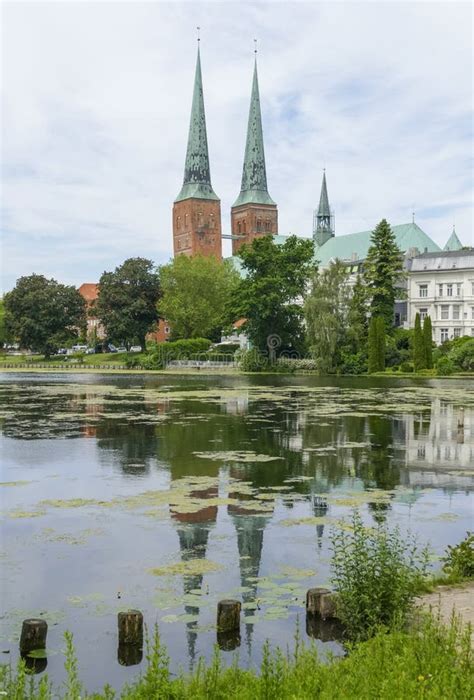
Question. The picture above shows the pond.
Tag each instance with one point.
(168, 493)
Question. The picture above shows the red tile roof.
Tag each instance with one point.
(89, 291)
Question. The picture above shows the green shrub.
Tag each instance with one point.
(253, 361)
(354, 363)
(444, 366)
(162, 353)
(406, 366)
(462, 356)
(459, 559)
(376, 575)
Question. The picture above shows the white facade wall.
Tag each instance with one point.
(445, 292)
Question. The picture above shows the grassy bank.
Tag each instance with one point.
(430, 662)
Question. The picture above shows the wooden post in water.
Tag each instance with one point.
(327, 606)
(33, 635)
(313, 597)
(130, 627)
(228, 615)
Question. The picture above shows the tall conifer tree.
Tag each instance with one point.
(380, 325)
(383, 272)
(419, 356)
(373, 359)
(428, 342)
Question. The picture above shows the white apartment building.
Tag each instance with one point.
(441, 285)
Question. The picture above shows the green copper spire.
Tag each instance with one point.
(453, 242)
(254, 176)
(197, 174)
(322, 224)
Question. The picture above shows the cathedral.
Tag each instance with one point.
(197, 225)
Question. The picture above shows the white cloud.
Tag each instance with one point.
(96, 100)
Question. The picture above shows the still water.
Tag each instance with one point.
(167, 494)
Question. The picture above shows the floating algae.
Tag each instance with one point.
(15, 483)
(192, 567)
(237, 456)
(310, 520)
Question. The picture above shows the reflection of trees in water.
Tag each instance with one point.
(132, 446)
(381, 469)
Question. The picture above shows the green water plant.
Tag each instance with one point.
(376, 574)
(458, 561)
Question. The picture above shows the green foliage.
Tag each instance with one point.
(41, 314)
(376, 344)
(3, 336)
(383, 272)
(276, 278)
(253, 361)
(428, 342)
(444, 366)
(406, 366)
(325, 310)
(127, 301)
(432, 662)
(419, 353)
(459, 559)
(185, 349)
(376, 575)
(398, 347)
(196, 293)
(462, 355)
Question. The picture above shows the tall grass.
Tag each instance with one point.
(432, 662)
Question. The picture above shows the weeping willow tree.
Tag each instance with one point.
(326, 311)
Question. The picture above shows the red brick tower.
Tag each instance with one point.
(254, 213)
(197, 208)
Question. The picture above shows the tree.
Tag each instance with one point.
(383, 272)
(428, 342)
(2, 323)
(326, 312)
(196, 293)
(42, 314)
(419, 354)
(357, 318)
(126, 305)
(276, 278)
(376, 344)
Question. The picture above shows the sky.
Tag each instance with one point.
(96, 100)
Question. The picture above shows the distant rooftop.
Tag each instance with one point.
(444, 260)
(354, 246)
(89, 291)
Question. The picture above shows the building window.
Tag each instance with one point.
(423, 290)
(472, 288)
(259, 225)
(440, 290)
(212, 222)
(178, 222)
(167, 329)
(472, 331)
(458, 289)
(444, 334)
(472, 312)
(239, 227)
(456, 312)
(449, 290)
(423, 314)
(457, 332)
(244, 225)
(444, 312)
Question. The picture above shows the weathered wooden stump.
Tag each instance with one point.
(327, 605)
(313, 596)
(130, 628)
(33, 635)
(228, 615)
(228, 641)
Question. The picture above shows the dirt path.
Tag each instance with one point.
(446, 597)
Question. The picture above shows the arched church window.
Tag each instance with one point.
(239, 227)
(245, 226)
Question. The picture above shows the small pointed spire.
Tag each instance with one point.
(254, 176)
(453, 242)
(323, 209)
(322, 222)
(197, 173)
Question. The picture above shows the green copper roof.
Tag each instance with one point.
(254, 176)
(323, 209)
(197, 173)
(356, 245)
(453, 242)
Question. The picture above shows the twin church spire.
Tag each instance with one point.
(196, 210)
